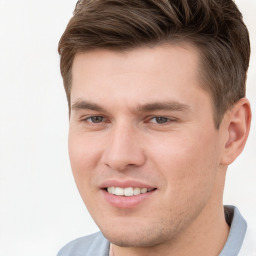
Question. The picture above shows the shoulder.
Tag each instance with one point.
(95, 244)
(249, 244)
(241, 240)
(237, 231)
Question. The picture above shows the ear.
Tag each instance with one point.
(238, 127)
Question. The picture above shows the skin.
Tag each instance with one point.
(154, 124)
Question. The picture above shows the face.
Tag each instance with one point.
(143, 146)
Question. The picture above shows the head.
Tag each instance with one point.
(156, 96)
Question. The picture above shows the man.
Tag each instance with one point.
(156, 92)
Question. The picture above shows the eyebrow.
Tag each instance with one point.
(171, 106)
(81, 104)
(148, 107)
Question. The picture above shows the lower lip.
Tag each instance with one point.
(126, 202)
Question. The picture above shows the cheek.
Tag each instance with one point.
(188, 164)
(85, 153)
(83, 158)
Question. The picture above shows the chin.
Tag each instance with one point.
(135, 240)
(137, 235)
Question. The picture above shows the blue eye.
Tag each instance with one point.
(160, 120)
(95, 119)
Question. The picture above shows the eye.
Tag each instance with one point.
(95, 119)
(160, 120)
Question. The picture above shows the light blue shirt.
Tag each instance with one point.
(97, 245)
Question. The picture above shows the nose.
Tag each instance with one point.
(123, 149)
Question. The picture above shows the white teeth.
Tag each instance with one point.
(119, 191)
(111, 190)
(127, 191)
(136, 191)
(143, 190)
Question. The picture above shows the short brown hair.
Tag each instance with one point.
(215, 27)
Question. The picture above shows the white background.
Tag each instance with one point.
(40, 208)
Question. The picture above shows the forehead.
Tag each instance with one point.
(141, 75)
(160, 58)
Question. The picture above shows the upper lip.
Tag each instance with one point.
(125, 184)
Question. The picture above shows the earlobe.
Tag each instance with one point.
(238, 126)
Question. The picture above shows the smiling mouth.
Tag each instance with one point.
(129, 191)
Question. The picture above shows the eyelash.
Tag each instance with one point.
(162, 119)
(91, 117)
(158, 119)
